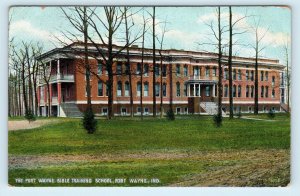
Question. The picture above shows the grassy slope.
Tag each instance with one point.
(187, 134)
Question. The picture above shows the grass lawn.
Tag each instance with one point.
(189, 151)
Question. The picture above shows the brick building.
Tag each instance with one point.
(191, 77)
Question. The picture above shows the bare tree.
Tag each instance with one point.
(161, 41)
(110, 23)
(286, 48)
(258, 47)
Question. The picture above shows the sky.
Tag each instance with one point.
(186, 28)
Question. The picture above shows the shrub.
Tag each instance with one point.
(89, 122)
(170, 114)
(271, 113)
(29, 116)
(218, 120)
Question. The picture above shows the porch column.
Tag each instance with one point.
(214, 90)
(194, 90)
(58, 69)
(58, 98)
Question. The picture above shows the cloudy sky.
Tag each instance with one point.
(186, 27)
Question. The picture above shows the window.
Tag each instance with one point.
(100, 68)
(104, 111)
(226, 74)
(214, 71)
(139, 110)
(178, 110)
(239, 74)
(250, 109)
(247, 74)
(216, 90)
(262, 91)
(123, 111)
(247, 91)
(234, 91)
(185, 90)
(126, 88)
(164, 89)
(207, 91)
(138, 68)
(178, 89)
(262, 76)
(119, 69)
(267, 92)
(146, 69)
(157, 70)
(273, 80)
(267, 76)
(196, 71)
(273, 93)
(252, 91)
(185, 70)
(146, 111)
(100, 88)
(226, 91)
(178, 70)
(239, 91)
(207, 70)
(164, 70)
(119, 89)
(252, 75)
(234, 74)
(186, 110)
(146, 89)
(157, 89)
(138, 89)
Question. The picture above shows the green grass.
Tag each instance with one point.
(126, 136)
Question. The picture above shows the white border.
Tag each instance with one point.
(292, 189)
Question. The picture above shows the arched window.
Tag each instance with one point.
(234, 74)
(239, 74)
(178, 69)
(164, 70)
(273, 93)
(252, 91)
(267, 92)
(207, 91)
(146, 89)
(138, 89)
(273, 80)
(146, 70)
(262, 76)
(247, 91)
(226, 91)
(164, 89)
(267, 76)
(126, 88)
(262, 91)
(247, 74)
(157, 89)
(119, 68)
(100, 88)
(252, 75)
(178, 89)
(185, 70)
(119, 89)
(239, 91)
(207, 70)
(234, 91)
(215, 71)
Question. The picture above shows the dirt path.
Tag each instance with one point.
(224, 168)
(24, 124)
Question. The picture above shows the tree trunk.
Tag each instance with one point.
(161, 86)
(230, 65)
(256, 80)
(220, 86)
(154, 62)
(86, 60)
(171, 86)
(24, 88)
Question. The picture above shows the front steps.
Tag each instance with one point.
(211, 108)
(70, 110)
